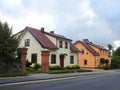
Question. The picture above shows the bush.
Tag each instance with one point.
(28, 64)
(107, 67)
(55, 67)
(73, 67)
(68, 71)
(115, 63)
(30, 69)
(99, 66)
(36, 66)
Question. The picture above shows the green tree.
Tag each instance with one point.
(110, 47)
(8, 46)
(117, 52)
(115, 63)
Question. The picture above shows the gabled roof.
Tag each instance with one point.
(97, 46)
(89, 48)
(57, 36)
(41, 38)
(73, 48)
(44, 41)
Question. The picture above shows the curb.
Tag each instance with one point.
(48, 79)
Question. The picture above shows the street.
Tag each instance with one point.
(106, 81)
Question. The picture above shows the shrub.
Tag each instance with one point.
(68, 71)
(107, 67)
(30, 69)
(55, 67)
(115, 63)
(73, 67)
(36, 66)
(28, 64)
(99, 66)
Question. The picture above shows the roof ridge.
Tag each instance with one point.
(41, 38)
(90, 48)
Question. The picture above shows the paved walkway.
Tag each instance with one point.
(42, 76)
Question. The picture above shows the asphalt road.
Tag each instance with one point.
(107, 81)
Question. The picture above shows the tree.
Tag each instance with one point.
(8, 46)
(110, 47)
(117, 52)
(115, 63)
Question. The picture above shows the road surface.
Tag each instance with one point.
(106, 81)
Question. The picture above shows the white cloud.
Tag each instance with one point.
(76, 20)
(26, 17)
(116, 43)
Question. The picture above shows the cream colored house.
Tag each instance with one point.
(47, 48)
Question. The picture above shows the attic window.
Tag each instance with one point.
(82, 51)
(27, 42)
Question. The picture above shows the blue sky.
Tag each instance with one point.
(96, 20)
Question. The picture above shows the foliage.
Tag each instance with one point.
(8, 47)
(28, 64)
(110, 47)
(68, 71)
(115, 63)
(13, 74)
(99, 66)
(117, 52)
(36, 66)
(104, 61)
(54, 67)
(107, 67)
(31, 70)
(73, 67)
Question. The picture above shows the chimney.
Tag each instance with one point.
(85, 40)
(42, 29)
(52, 32)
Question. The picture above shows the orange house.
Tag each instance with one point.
(90, 54)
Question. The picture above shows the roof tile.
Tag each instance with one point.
(41, 38)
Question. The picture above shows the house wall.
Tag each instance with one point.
(54, 40)
(91, 59)
(62, 50)
(34, 47)
(103, 53)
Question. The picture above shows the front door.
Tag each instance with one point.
(62, 61)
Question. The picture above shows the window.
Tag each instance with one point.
(53, 59)
(82, 51)
(34, 58)
(71, 59)
(66, 45)
(85, 62)
(27, 42)
(60, 44)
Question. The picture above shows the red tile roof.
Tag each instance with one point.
(89, 48)
(73, 48)
(41, 38)
(97, 46)
(57, 36)
(39, 35)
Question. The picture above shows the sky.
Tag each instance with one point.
(96, 20)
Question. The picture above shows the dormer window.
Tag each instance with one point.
(60, 44)
(27, 42)
(66, 45)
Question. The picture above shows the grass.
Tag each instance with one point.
(68, 71)
(13, 74)
(32, 71)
